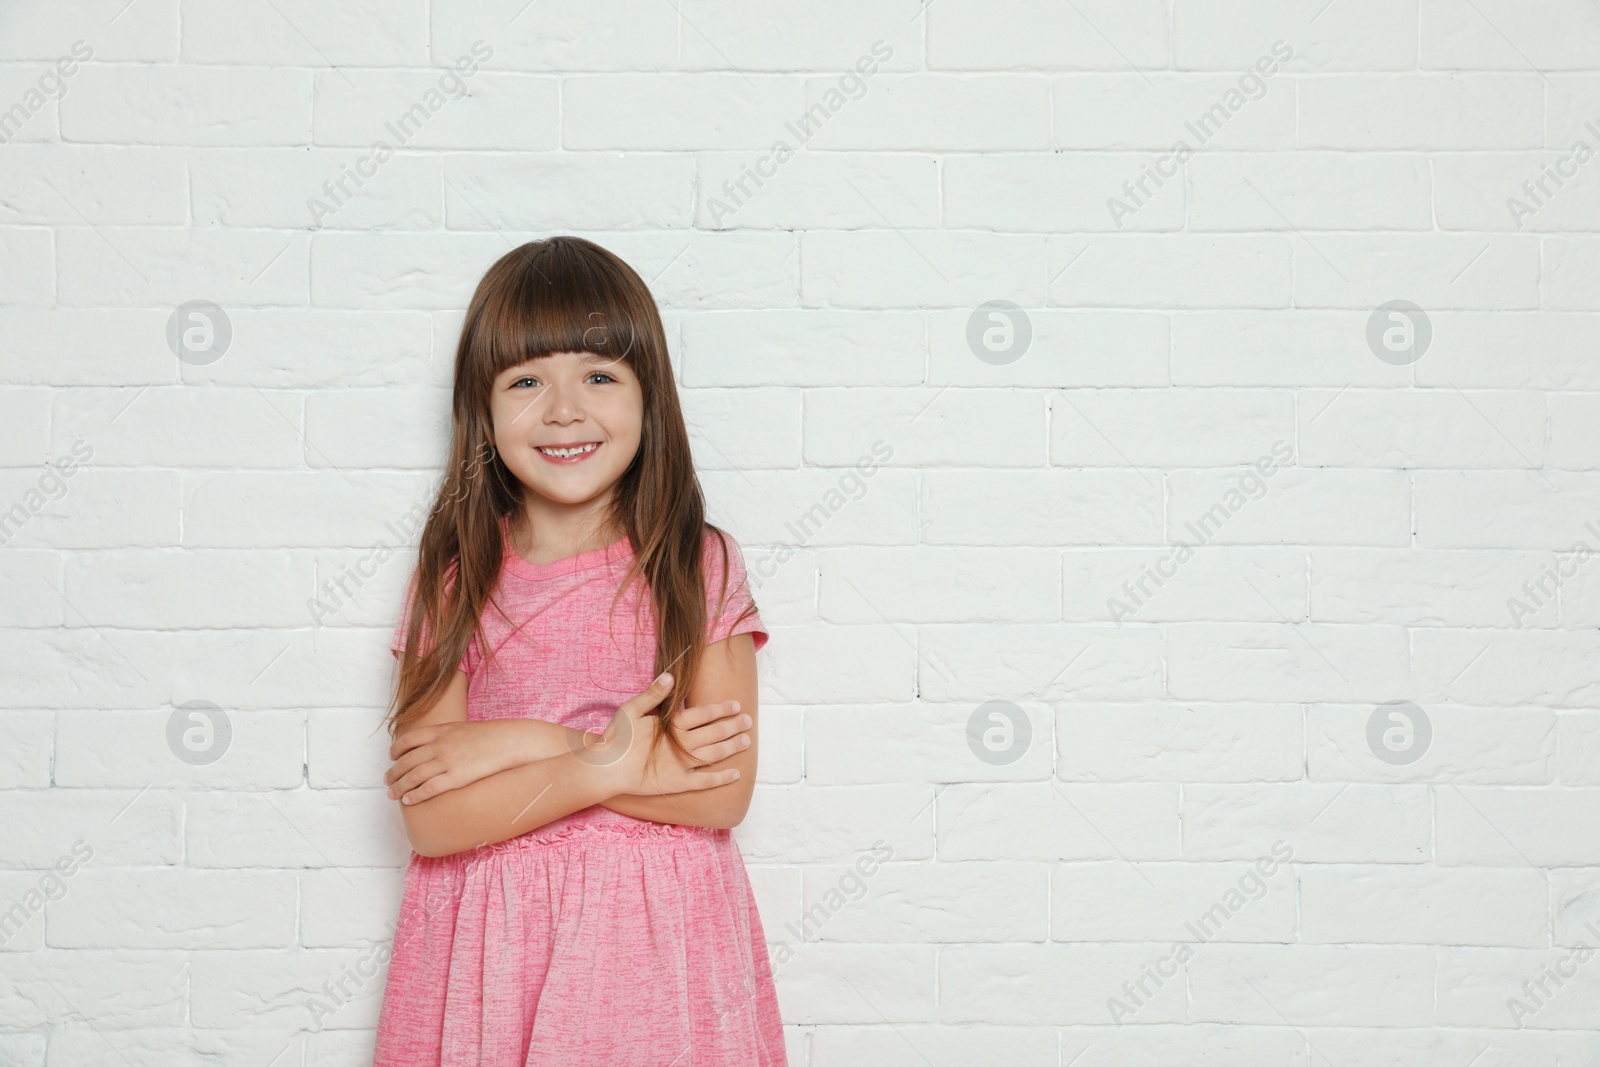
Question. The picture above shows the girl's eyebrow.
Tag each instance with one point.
(534, 360)
(592, 357)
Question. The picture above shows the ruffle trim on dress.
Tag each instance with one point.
(639, 829)
(609, 833)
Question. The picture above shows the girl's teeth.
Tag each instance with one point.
(564, 452)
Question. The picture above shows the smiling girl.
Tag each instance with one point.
(571, 752)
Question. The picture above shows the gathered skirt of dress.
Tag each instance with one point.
(597, 939)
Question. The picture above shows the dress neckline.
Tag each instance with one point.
(617, 551)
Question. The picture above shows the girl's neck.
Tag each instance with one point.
(552, 537)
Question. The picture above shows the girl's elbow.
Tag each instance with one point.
(423, 845)
(433, 847)
(733, 812)
(423, 838)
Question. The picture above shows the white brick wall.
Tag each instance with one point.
(1040, 906)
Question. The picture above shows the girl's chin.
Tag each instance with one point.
(565, 490)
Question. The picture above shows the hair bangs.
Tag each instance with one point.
(571, 308)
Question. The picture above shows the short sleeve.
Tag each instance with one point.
(724, 608)
(397, 645)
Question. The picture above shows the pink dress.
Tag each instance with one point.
(596, 939)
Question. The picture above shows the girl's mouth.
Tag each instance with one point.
(566, 456)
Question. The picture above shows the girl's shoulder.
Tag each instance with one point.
(730, 602)
(722, 556)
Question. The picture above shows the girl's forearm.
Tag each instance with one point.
(505, 804)
(536, 739)
(721, 807)
(540, 739)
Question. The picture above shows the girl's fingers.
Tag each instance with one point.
(717, 738)
(408, 741)
(716, 722)
(721, 730)
(712, 779)
(406, 763)
(653, 694)
(722, 749)
(694, 780)
(701, 714)
(692, 718)
(412, 779)
(439, 783)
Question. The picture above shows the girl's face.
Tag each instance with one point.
(567, 401)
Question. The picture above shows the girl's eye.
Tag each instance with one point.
(529, 378)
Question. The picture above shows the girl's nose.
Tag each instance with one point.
(563, 403)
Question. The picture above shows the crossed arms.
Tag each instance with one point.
(469, 783)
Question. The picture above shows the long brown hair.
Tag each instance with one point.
(562, 294)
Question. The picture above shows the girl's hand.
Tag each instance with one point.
(628, 753)
(432, 759)
(711, 732)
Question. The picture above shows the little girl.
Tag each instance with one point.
(571, 752)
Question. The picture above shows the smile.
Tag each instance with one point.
(568, 454)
